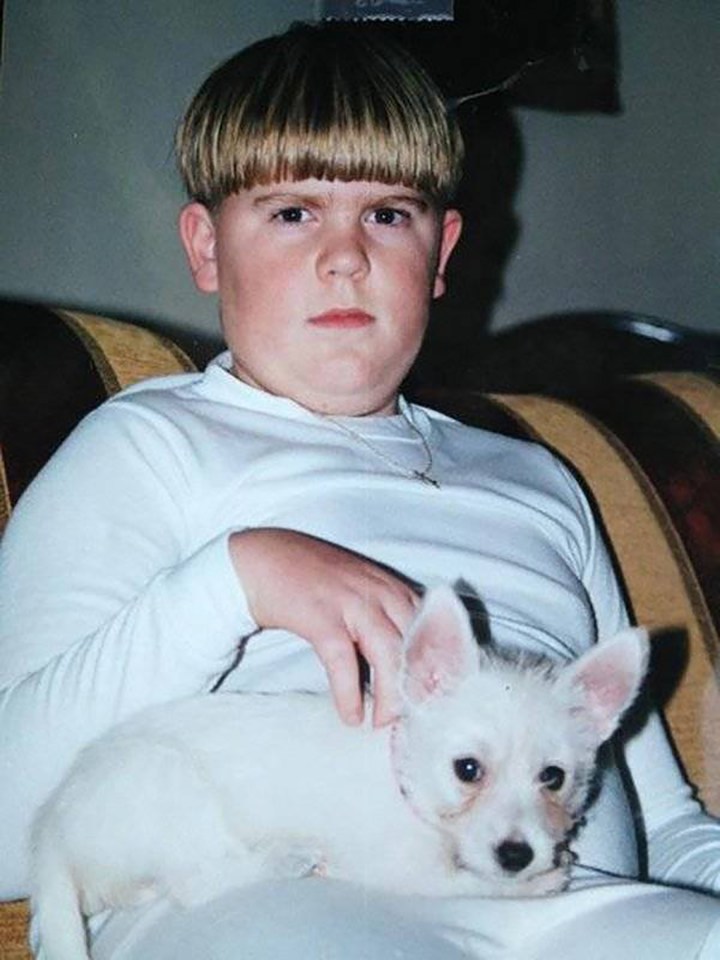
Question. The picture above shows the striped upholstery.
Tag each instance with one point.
(646, 450)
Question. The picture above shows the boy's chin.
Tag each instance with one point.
(364, 405)
(330, 399)
(340, 393)
(351, 394)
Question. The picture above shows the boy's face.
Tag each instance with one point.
(324, 286)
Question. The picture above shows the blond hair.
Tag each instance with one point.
(324, 101)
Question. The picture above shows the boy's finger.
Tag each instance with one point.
(386, 703)
(341, 666)
(401, 611)
(382, 648)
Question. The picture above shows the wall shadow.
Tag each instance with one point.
(460, 319)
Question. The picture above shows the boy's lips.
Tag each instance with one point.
(347, 319)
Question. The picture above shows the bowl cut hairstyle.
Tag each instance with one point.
(325, 101)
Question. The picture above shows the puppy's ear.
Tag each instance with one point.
(605, 680)
(440, 649)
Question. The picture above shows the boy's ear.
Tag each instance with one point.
(197, 234)
(451, 230)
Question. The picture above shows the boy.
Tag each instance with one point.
(255, 526)
(325, 261)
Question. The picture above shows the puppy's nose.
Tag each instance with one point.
(514, 855)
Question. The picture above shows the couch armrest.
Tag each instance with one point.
(14, 918)
(56, 366)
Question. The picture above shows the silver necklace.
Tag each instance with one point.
(423, 476)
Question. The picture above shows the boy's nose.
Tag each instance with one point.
(343, 254)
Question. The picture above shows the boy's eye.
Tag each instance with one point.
(552, 777)
(389, 216)
(291, 215)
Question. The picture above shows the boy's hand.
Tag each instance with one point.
(338, 601)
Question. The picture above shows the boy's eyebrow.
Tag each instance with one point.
(415, 200)
(295, 199)
(318, 200)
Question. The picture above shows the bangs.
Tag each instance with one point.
(319, 103)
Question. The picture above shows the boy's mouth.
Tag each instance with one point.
(342, 319)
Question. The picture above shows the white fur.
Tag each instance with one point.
(189, 799)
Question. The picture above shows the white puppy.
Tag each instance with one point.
(476, 788)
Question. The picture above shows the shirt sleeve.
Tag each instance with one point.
(104, 608)
(683, 841)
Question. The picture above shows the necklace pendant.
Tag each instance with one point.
(424, 478)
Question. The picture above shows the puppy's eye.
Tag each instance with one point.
(552, 777)
(468, 769)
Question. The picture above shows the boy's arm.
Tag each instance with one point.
(99, 614)
(683, 841)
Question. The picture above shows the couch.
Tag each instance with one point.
(645, 446)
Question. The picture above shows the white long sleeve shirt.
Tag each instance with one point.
(117, 589)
